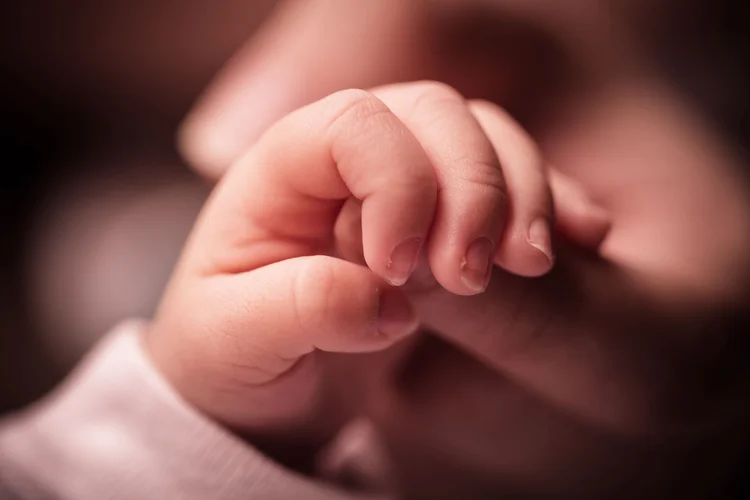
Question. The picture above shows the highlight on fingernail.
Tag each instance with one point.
(402, 262)
(476, 268)
(540, 237)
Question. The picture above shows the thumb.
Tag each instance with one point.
(246, 354)
(307, 50)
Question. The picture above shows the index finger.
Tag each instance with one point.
(281, 200)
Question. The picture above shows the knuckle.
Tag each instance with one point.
(436, 92)
(358, 118)
(353, 105)
(480, 172)
(433, 98)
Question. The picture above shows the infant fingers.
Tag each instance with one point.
(531, 188)
(526, 248)
(472, 199)
(281, 200)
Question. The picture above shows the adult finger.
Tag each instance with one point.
(571, 337)
(307, 50)
(577, 217)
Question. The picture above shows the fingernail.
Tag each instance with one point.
(476, 268)
(403, 261)
(395, 314)
(540, 237)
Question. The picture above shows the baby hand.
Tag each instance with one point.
(258, 298)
